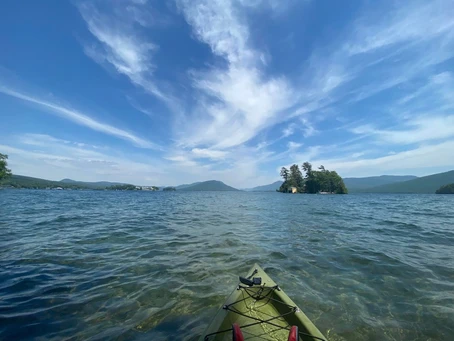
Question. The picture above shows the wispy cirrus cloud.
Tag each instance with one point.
(239, 98)
(385, 48)
(209, 153)
(120, 43)
(228, 116)
(308, 127)
(218, 24)
(60, 158)
(434, 94)
(293, 145)
(415, 130)
(423, 114)
(289, 130)
(302, 127)
(357, 89)
(435, 157)
(80, 118)
(411, 22)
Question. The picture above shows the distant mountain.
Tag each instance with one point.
(97, 184)
(425, 184)
(211, 185)
(187, 185)
(68, 181)
(266, 188)
(360, 184)
(20, 181)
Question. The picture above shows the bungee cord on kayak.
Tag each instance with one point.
(264, 306)
(256, 296)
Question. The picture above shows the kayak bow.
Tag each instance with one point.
(263, 312)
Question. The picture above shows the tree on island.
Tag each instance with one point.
(314, 181)
(284, 173)
(169, 189)
(123, 187)
(446, 189)
(4, 171)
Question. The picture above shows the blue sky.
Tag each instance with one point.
(170, 92)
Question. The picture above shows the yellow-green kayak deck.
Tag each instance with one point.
(264, 312)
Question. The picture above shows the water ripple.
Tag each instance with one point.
(144, 265)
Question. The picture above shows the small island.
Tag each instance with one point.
(322, 181)
(446, 189)
(169, 189)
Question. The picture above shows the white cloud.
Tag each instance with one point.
(227, 117)
(239, 99)
(245, 168)
(44, 140)
(308, 154)
(145, 16)
(135, 104)
(217, 23)
(304, 125)
(121, 46)
(293, 145)
(415, 130)
(183, 160)
(417, 160)
(417, 20)
(209, 153)
(39, 140)
(289, 130)
(357, 155)
(238, 95)
(385, 50)
(140, 2)
(54, 159)
(308, 128)
(364, 129)
(368, 90)
(421, 129)
(81, 119)
(437, 90)
(243, 105)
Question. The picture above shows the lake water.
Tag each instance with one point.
(156, 266)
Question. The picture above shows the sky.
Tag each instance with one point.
(155, 92)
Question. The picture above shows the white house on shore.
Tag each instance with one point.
(147, 188)
(293, 189)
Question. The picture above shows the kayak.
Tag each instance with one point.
(258, 309)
